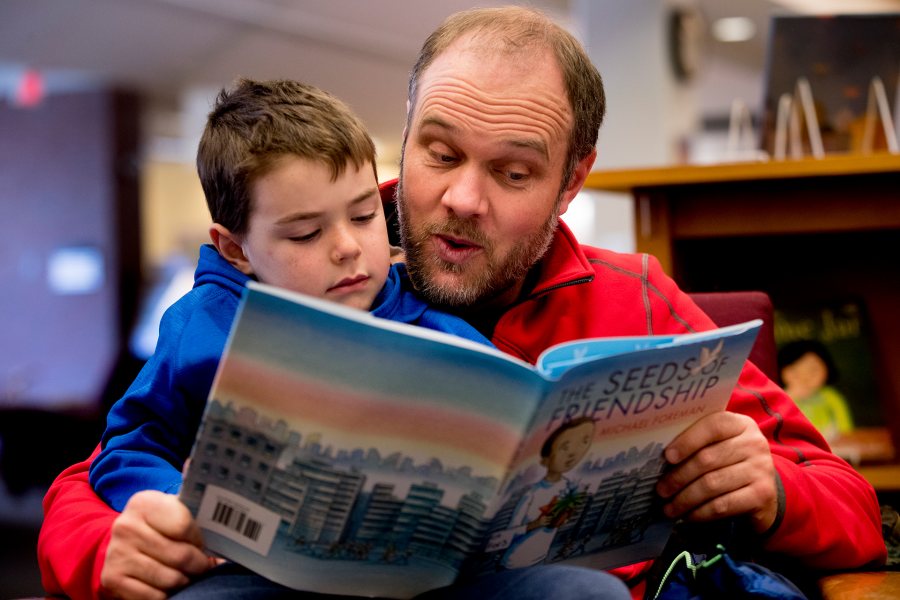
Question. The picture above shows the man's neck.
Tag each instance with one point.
(485, 315)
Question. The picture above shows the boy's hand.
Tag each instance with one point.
(542, 521)
(155, 546)
(722, 467)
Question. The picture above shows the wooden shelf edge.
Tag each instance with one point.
(882, 477)
(626, 180)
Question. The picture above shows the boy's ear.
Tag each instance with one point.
(230, 248)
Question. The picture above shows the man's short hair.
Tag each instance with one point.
(512, 28)
(256, 124)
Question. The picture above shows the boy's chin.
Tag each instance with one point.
(360, 302)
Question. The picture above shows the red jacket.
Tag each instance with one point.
(830, 515)
(74, 536)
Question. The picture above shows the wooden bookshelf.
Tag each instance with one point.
(775, 197)
(797, 229)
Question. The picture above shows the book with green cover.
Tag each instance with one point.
(827, 365)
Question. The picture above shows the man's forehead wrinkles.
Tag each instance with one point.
(540, 103)
(443, 105)
(520, 135)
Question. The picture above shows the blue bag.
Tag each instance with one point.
(717, 575)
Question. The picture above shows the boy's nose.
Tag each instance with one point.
(346, 245)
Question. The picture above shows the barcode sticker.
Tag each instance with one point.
(238, 519)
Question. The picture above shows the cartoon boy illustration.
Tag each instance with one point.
(808, 373)
(546, 505)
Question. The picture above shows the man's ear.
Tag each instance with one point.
(230, 247)
(576, 181)
(406, 122)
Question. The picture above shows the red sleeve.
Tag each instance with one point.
(830, 515)
(74, 535)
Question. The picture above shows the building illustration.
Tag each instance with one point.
(338, 504)
(323, 509)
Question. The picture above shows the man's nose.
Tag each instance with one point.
(466, 194)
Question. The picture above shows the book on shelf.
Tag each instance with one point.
(827, 364)
(345, 454)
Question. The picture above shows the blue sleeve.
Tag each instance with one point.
(440, 321)
(398, 301)
(151, 429)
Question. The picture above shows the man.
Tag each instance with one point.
(503, 113)
(502, 122)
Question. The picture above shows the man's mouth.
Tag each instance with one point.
(454, 249)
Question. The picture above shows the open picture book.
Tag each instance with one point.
(345, 454)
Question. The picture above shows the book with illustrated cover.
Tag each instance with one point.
(827, 365)
(345, 454)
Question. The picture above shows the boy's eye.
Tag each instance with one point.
(364, 218)
(306, 237)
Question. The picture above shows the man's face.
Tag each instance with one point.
(313, 235)
(482, 171)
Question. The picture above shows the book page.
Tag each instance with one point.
(582, 488)
(344, 454)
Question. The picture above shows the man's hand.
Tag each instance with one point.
(722, 468)
(154, 548)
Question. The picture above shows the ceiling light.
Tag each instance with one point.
(733, 29)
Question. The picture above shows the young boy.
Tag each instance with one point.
(561, 452)
(288, 174)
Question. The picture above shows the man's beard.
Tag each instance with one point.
(477, 284)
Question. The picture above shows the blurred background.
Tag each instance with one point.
(101, 106)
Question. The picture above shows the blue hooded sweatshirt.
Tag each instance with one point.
(151, 429)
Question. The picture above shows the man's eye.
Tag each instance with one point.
(513, 176)
(443, 157)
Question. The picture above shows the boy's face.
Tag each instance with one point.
(569, 448)
(320, 237)
(805, 376)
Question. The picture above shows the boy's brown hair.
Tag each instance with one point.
(255, 124)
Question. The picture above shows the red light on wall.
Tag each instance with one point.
(30, 91)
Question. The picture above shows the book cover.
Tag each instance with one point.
(826, 364)
(345, 454)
